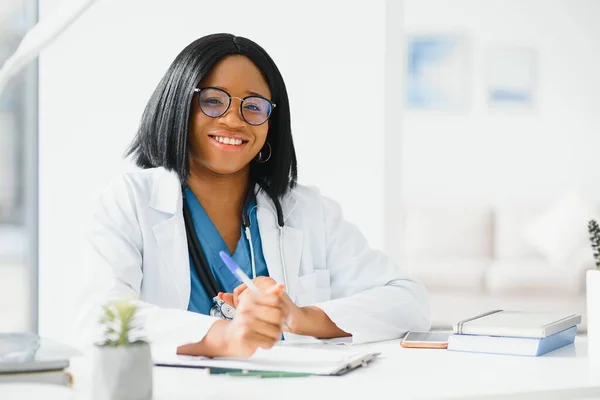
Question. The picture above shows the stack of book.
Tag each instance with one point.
(25, 357)
(514, 332)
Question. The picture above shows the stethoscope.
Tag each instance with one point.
(221, 309)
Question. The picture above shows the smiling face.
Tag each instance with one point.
(227, 144)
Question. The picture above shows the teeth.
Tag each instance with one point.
(230, 141)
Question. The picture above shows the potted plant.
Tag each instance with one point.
(122, 362)
(593, 294)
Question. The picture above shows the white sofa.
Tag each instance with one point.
(474, 259)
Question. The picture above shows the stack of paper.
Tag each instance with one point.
(278, 359)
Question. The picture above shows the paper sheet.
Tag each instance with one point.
(280, 358)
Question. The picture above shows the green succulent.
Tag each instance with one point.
(121, 324)
(594, 231)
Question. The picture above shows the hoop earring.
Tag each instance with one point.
(260, 158)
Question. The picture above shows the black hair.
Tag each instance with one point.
(162, 138)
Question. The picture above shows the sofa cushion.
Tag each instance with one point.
(532, 276)
(448, 273)
(446, 231)
(509, 224)
(561, 229)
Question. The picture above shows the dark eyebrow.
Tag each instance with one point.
(256, 94)
(250, 93)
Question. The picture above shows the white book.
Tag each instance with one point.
(517, 324)
(61, 377)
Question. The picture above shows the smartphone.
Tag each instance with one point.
(426, 340)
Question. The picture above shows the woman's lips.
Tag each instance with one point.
(233, 146)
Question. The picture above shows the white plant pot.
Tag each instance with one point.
(122, 373)
(593, 314)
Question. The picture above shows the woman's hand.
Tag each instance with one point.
(257, 323)
(296, 318)
(262, 283)
(309, 321)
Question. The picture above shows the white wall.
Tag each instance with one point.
(481, 156)
(95, 81)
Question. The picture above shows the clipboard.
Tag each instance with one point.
(281, 360)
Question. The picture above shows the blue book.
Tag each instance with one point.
(519, 346)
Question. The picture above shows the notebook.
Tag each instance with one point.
(517, 324)
(60, 377)
(277, 359)
(27, 352)
(512, 345)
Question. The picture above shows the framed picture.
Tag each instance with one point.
(511, 76)
(437, 72)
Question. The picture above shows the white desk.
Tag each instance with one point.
(399, 373)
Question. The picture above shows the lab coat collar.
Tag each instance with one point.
(166, 198)
(166, 195)
(288, 203)
(166, 191)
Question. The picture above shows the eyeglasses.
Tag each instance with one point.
(215, 102)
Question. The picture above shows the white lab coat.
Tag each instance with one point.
(138, 248)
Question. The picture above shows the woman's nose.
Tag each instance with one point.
(233, 117)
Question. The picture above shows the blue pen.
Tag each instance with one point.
(237, 271)
(241, 275)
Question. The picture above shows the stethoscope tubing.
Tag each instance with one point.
(199, 258)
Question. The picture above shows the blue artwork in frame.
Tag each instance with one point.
(437, 72)
(511, 77)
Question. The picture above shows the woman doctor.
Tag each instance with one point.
(218, 173)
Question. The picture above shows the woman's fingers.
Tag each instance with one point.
(257, 321)
(273, 315)
(190, 349)
(237, 292)
(276, 289)
(267, 307)
(227, 298)
(272, 331)
(251, 301)
(263, 283)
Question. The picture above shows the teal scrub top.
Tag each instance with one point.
(212, 243)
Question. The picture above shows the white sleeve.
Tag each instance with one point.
(113, 260)
(372, 298)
